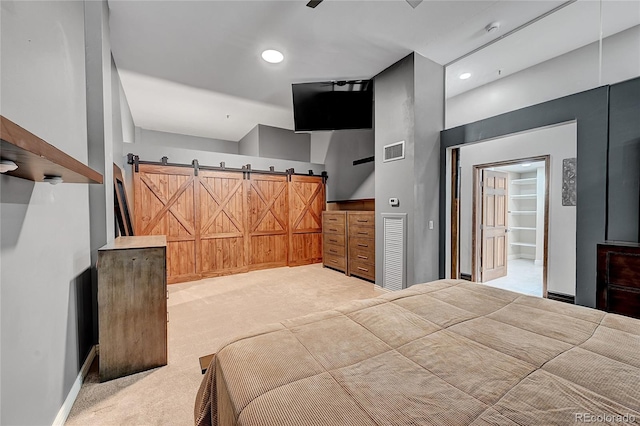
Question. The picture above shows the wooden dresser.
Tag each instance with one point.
(618, 289)
(349, 242)
(361, 258)
(132, 305)
(334, 240)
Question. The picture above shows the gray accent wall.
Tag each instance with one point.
(159, 140)
(285, 144)
(346, 181)
(429, 121)
(394, 90)
(590, 110)
(45, 241)
(248, 145)
(409, 107)
(624, 162)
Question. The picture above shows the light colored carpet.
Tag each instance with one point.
(203, 315)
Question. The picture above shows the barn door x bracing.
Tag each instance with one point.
(267, 220)
(306, 202)
(221, 223)
(164, 205)
(494, 225)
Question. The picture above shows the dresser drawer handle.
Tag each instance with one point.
(333, 219)
(363, 233)
(363, 245)
(363, 221)
(333, 241)
(333, 251)
(334, 230)
(334, 261)
(363, 269)
(363, 257)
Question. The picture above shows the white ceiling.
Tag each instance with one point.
(194, 67)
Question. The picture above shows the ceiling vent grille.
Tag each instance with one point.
(394, 151)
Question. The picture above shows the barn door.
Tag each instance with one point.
(306, 202)
(267, 220)
(165, 205)
(494, 225)
(222, 225)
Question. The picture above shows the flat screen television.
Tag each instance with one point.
(333, 105)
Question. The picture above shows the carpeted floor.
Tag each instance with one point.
(203, 315)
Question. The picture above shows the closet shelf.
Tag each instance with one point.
(522, 228)
(522, 212)
(522, 244)
(523, 196)
(36, 158)
(524, 181)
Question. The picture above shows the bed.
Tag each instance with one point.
(448, 353)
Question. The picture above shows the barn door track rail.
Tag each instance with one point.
(246, 170)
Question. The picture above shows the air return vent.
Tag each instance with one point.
(394, 262)
(394, 151)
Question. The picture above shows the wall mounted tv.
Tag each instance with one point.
(333, 105)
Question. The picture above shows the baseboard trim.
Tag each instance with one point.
(560, 297)
(61, 418)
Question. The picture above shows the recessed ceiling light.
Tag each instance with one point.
(272, 56)
(526, 165)
(465, 75)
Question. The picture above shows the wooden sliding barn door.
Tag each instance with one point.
(306, 203)
(165, 205)
(267, 220)
(222, 223)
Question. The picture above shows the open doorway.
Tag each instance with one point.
(558, 143)
(510, 224)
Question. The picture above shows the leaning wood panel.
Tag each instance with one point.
(222, 223)
(165, 205)
(306, 203)
(267, 221)
(132, 306)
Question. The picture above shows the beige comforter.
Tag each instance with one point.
(447, 353)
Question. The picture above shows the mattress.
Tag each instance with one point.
(447, 352)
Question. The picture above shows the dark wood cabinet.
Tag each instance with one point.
(618, 289)
(132, 305)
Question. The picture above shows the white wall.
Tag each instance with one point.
(44, 229)
(570, 73)
(559, 142)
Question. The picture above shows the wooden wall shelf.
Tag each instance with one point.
(36, 158)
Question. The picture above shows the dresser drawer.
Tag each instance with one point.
(333, 228)
(334, 261)
(362, 219)
(362, 269)
(362, 244)
(333, 218)
(334, 239)
(367, 255)
(332, 249)
(361, 232)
